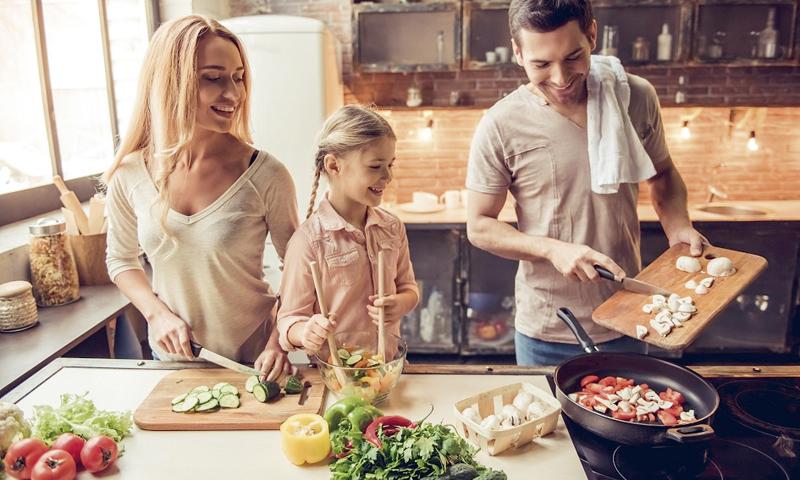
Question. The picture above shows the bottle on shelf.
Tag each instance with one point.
(768, 38)
(664, 52)
(610, 40)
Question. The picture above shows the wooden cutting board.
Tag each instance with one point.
(623, 311)
(155, 412)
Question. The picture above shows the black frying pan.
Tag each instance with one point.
(659, 374)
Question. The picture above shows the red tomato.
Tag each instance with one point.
(594, 387)
(608, 381)
(71, 444)
(675, 396)
(22, 456)
(666, 418)
(675, 410)
(98, 453)
(55, 465)
(644, 387)
(589, 379)
(588, 401)
(620, 415)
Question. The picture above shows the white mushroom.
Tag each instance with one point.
(648, 308)
(691, 285)
(708, 281)
(701, 289)
(681, 316)
(688, 264)
(522, 400)
(688, 416)
(535, 411)
(599, 408)
(686, 300)
(491, 423)
(471, 413)
(661, 327)
(659, 300)
(687, 308)
(511, 413)
(676, 322)
(641, 332)
(720, 267)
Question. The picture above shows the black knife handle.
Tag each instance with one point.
(196, 347)
(605, 273)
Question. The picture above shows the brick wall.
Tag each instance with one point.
(716, 152)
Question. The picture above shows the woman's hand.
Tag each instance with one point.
(171, 333)
(273, 362)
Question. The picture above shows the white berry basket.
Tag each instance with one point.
(491, 403)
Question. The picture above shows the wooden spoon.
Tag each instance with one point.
(317, 276)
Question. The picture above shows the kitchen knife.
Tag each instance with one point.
(631, 284)
(201, 352)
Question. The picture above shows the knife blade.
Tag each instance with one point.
(633, 285)
(201, 352)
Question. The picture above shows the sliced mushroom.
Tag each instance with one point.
(691, 285)
(688, 264)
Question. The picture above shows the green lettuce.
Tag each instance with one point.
(77, 414)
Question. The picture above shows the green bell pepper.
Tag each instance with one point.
(358, 412)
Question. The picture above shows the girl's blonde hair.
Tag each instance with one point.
(163, 119)
(350, 128)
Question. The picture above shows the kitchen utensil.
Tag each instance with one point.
(201, 352)
(623, 310)
(657, 373)
(323, 308)
(372, 383)
(497, 441)
(155, 412)
(381, 310)
(97, 208)
(90, 258)
(70, 200)
(631, 284)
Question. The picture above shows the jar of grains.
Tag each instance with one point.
(17, 307)
(53, 272)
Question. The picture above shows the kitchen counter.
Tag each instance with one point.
(123, 384)
(776, 210)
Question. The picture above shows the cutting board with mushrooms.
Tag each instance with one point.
(701, 288)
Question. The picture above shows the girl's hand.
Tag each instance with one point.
(316, 331)
(273, 363)
(171, 334)
(389, 303)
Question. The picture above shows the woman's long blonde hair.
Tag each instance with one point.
(350, 128)
(163, 120)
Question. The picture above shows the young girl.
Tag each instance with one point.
(344, 236)
(187, 186)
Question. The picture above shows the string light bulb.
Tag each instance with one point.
(425, 133)
(752, 143)
(686, 134)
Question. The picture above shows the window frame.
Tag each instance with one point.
(33, 201)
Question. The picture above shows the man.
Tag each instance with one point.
(534, 143)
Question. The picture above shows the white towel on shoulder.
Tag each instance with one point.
(616, 154)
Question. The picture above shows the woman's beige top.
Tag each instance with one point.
(212, 275)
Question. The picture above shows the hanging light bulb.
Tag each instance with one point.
(686, 134)
(425, 133)
(752, 143)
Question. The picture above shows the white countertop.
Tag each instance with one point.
(257, 454)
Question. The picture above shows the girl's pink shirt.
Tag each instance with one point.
(348, 260)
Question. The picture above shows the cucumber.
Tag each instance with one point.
(260, 392)
(216, 393)
(229, 389)
(293, 385)
(208, 406)
(200, 388)
(250, 383)
(204, 397)
(179, 399)
(229, 400)
(186, 405)
(266, 391)
(353, 359)
(343, 353)
(219, 386)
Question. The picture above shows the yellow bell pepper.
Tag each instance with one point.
(305, 438)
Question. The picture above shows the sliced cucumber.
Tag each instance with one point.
(208, 406)
(200, 388)
(229, 389)
(190, 402)
(183, 407)
(229, 400)
(343, 353)
(216, 393)
(260, 392)
(204, 397)
(219, 385)
(354, 359)
(250, 383)
(179, 399)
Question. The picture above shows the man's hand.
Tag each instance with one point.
(691, 237)
(577, 262)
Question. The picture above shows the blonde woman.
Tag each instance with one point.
(356, 154)
(187, 186)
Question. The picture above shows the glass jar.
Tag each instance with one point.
(53, 272)
(610, 45)
(17, 307)
(640, 50)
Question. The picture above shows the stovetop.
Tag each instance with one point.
(757, 437)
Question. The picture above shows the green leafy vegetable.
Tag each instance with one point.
(77, 414)
(428, 450)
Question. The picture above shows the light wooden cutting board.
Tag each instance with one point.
(623, 311)
(155, 412)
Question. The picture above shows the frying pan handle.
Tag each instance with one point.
(605, 273)
(584, 339)
(691, 434)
